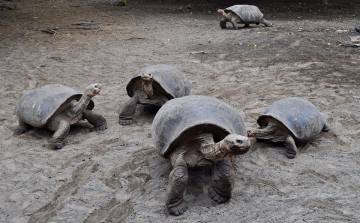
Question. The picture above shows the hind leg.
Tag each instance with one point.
(22, 128)
(97, 120)
(176, 187)
(290, 146)
(222, 181)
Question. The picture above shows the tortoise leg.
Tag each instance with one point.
(222, 181)
(22, 128)
(57, 140)
(176, 187)
(127, 114)
(325, 128)
(223, 23)
(265, 22)
(234, 23)
(97, 120)
(290, 146)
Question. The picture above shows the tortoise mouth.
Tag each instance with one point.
(147, 77)
(240, 150)
(96, 90)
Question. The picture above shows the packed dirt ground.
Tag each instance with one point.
(116, 175)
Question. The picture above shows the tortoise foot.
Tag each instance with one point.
(20, 131)
(290, 154)
(217, 197)
(126, 122)
(100, 128)
(223, 23)
(55, 144)
(325, 128)
(179, 209)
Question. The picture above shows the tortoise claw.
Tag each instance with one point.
(290, 155)
(216, 197)
(19, 131)
(126, 122)
(179, 209)
(55, 145)
(100, 128)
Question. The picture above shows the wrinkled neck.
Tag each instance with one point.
(82, 104)
(148, 89)
(210, 149)
(226, 15)
(267, 132)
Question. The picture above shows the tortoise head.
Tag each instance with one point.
(93, 89)
(235, 144)
(147, 78)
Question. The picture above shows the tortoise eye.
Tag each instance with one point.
(239, 141)
(96, 86)
(94, 91)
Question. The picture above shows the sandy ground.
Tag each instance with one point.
(116, 175)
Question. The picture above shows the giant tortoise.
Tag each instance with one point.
(199, 131)
(153, 85)
(56, 107)
(242, 14)
(290, 120)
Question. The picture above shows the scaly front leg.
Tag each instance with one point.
(127, 114)
(57, 141)
(290, 146)
(176, 187)
(223, 23)
(222, 181)
(97, 120)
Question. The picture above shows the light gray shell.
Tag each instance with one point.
(247, 13)
(301, 117)
(168, 78)
(180, 117)
(38, 106)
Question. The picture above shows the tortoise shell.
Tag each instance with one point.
(182, 117)
(247, 13)
(298, 115)
(167, 79)
(39, 105)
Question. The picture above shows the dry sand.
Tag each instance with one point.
(116, 175)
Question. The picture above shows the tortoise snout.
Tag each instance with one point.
(97, 88)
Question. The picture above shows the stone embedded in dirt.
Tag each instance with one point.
(342, 31)
(242, 75)
(355, 40)
(117, 2)
(357, 27)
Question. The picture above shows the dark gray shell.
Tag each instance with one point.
(247, 13)
(301, 117)
(168, 78)
(180, 117)
(38, 106)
